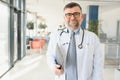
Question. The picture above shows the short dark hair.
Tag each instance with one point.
(71, 5)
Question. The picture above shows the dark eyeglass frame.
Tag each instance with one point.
(75, 14)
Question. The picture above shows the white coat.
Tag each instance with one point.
(89, 58)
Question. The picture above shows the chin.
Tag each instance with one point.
(74, 25)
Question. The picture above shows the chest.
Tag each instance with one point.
(85, 41)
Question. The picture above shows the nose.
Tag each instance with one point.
(72, 17)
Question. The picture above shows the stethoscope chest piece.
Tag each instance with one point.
(80, 46)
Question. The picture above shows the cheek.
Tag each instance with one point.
(79, 19)
(67, 20)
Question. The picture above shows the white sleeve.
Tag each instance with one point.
(51, 50)
(98, 66)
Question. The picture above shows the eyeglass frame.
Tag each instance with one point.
(75, 14)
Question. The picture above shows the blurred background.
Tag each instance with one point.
(26, 26)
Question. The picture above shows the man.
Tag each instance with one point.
(77, 56)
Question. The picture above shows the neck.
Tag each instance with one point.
(74, 28)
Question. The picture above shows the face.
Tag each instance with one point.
(73, 17)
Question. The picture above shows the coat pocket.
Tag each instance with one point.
(60, 77)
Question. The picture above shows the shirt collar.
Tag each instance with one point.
(67, 29)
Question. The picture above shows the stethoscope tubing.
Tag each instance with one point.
(80, 46)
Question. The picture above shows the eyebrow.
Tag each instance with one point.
(71, 12)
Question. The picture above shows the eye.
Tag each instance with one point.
(76, 14)
(68, 14)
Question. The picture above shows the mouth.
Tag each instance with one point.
(73, 22)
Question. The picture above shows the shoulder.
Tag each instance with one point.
(56, 34)
(91, 35)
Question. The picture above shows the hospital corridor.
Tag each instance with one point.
(27, 25)
(34, 67)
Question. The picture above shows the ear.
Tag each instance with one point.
(82, 16)
(64, 17)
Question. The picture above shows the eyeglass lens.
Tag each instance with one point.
(75, 14)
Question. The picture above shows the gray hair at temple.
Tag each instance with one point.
(71, 5)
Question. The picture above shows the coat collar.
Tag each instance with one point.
(67, 30)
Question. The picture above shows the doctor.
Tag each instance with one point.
(89, 59)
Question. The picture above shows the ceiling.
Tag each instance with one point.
(46, 7)
(51, 10)
(39, 5)
(96, 0)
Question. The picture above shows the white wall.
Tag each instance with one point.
(109, 18)
(52, 11)
(109, 14)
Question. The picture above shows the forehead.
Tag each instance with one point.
(73, 9)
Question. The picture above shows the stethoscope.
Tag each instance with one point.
(80, 46)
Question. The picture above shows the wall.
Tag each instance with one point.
(109, 17)
(52, 11)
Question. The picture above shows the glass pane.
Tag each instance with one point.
(16, 3)
(6, 0)
(4, 45)
(15, 37)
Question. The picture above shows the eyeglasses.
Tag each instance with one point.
(75, 14)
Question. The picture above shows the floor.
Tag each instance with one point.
(30, 68)
(34, 67)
